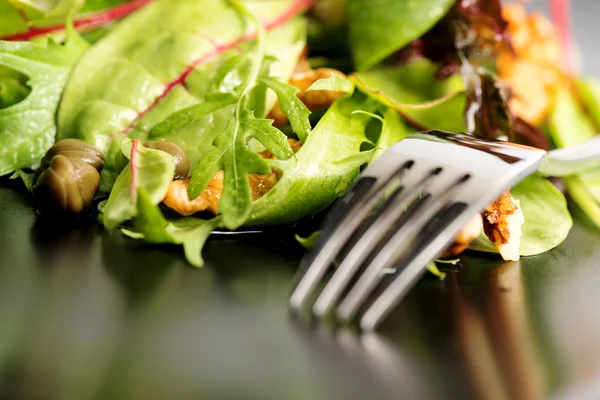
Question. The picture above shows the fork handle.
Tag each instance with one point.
(572, 160)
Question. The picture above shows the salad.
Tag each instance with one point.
(169, 119)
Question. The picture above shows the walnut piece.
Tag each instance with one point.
(502, 222)
(533, 68)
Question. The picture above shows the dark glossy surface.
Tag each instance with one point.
(86, 314)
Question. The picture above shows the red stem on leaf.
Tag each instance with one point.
(135, 150)
(93, 21)
(296, 8)
(560, 10)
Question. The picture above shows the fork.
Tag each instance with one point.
(405, 209)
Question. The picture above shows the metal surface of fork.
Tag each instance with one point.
(404, 210)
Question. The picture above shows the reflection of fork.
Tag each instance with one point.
(407, 207)
(501, 359)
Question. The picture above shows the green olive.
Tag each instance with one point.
(182, 164)
(68, 184)
(74, 149)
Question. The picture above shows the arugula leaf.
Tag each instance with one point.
(378, 28)
(433, 269)
(231, 152)
(415, 92)
(291, 105)
(124, 94)
(547, 219)
(148, 169)
(308, 242)
(27, 128)
(153, 227)
(334, 83)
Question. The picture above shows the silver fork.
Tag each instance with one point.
(406, 208)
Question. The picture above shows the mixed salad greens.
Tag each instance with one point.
(271, 108)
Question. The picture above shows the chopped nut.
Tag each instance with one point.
(294, 144)
(466, 235)
(502, 221)
(178, 200)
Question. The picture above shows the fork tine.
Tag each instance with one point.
(397, 244)
(412, 267)
(411, 186)
(342, 222)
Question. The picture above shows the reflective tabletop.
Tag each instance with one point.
(88, 314)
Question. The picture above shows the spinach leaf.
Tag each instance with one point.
(153, 227)
(415, 92)
(311, 180)
(547, 219)
(378, 28)
(148, 169)
(27, 128)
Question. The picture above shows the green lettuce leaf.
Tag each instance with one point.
(47, 12)
(37, 20)
(116, 93)
(547, 219)
(27, 128)
(13, 87)
(415, 92)
(148, 170)
(569, 125)
(120, 84)
(153, 227)
(311, 180)
(379, 28)
(392, 131)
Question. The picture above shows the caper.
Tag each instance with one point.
(68, 184)
(182, 164)
(74, 149)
